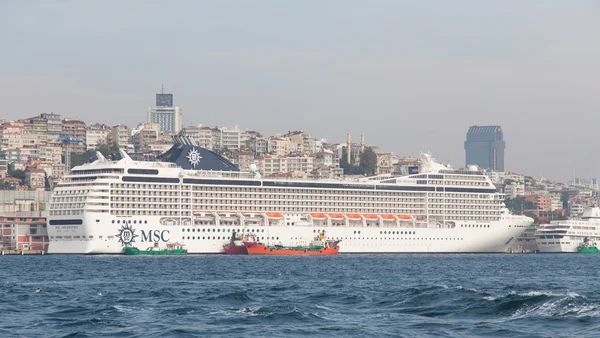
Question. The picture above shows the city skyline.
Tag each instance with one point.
(411, 76)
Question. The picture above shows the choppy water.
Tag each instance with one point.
(346, 295)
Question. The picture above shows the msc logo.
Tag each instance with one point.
(127, 235)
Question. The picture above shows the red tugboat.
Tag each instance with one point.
(319, 246)
(236, 244)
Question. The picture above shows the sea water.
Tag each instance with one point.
(500, 295)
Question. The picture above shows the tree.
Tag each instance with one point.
(564, 198)
(368, 161)
(225, 151)
(20, 174)
(47, 182)
(348, 168)
(110, 151)
(250, 143)
(79, 159)
(536, 219)
(518, 205)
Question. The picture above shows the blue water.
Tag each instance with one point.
(347, 295)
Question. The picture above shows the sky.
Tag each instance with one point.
(411, 75)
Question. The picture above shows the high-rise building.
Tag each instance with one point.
(165, 114)
(485, 147)
(164, 100)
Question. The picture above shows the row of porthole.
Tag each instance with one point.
(396, 232)
(475, 226)
(342, 238)
(383, 232)
(224, 230)
(128, 221)
(411, 238)
(219, 237)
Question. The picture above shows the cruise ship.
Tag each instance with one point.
(567, 235)
(198, 198)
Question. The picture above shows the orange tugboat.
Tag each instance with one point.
(236, 244)
(319, 246)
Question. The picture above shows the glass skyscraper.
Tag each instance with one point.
(485, 147)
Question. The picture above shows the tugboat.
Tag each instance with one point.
(236, 244)
(319, 246)
(172, 249)
(588, 248)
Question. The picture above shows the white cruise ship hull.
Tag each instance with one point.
(100, 236)
(103, 206)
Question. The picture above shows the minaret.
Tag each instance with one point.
(349, 149)
(362, 143)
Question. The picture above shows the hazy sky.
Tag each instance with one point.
(410, 75)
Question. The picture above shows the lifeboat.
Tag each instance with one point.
(371, 216)
(336, 216)
(388, 217)
(274, 215)
(318, 216)
(404, 217)
(354, 216)
(419, 218)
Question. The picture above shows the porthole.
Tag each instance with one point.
(182, 230)
(145, 222)
(118, 221)
(188, 237)
(113, 221)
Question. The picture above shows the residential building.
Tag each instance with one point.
(302, 163)
(555, 202)
(202, 135)
(327, 172)
(485, 147)
(35, 178)
(325, 158)
(148, 133)
(243, 159)
(75, 130)
(3, 168)
(96, 134)
(281, 146)
(271, 164)
(120, 135)
(230, 138)
(514, 189)
(260, 146)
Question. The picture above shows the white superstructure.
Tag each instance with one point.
(566, 235)
(105, 205)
